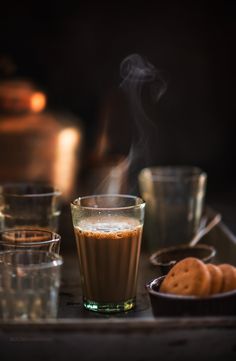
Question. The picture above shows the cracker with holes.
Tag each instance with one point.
(189, 277)
(229, 277)
(216, 278)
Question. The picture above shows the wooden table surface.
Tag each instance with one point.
(136, 335)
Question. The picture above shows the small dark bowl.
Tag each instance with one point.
(164, 304)
(166, 258)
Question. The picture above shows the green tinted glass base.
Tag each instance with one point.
(109, 307)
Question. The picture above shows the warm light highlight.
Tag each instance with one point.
(66, 157)
(37, 102)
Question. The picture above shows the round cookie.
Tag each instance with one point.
(229, 277)
(216, 278)
(189, 277)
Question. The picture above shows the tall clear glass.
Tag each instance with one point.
(174, 199)
(108, 230)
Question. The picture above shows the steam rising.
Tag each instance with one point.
(137, 72)
(139, 77)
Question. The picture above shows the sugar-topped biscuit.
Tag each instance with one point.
(189, 277)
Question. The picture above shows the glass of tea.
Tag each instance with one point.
(108, 230)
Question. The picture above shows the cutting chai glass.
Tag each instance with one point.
(29, 205)
(29, 284)
(108, 230)
(29, 239)
(174, 197)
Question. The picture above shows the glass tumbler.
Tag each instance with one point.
(29, 205)
(108, 230)
(30, 239)
(174, 199)
(29, 283)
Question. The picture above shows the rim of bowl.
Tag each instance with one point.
(154, 262)
(182, 297)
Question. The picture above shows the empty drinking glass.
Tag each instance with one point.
(29, 205)
(174, 201)
(29, 283)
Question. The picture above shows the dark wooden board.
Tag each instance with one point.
(81, 335)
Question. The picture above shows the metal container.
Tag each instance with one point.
(35, 144)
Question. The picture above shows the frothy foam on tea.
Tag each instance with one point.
(107, 224)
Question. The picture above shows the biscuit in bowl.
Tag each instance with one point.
(209, 290)
(229, 277)
(216, 275)
(189, 277)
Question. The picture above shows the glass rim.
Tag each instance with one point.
(17, 185)
(76, 203)
(29, 243)
(56, 260)
(163, 173)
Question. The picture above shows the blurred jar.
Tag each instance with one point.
(35, 144)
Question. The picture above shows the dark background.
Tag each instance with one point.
(74, 52)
